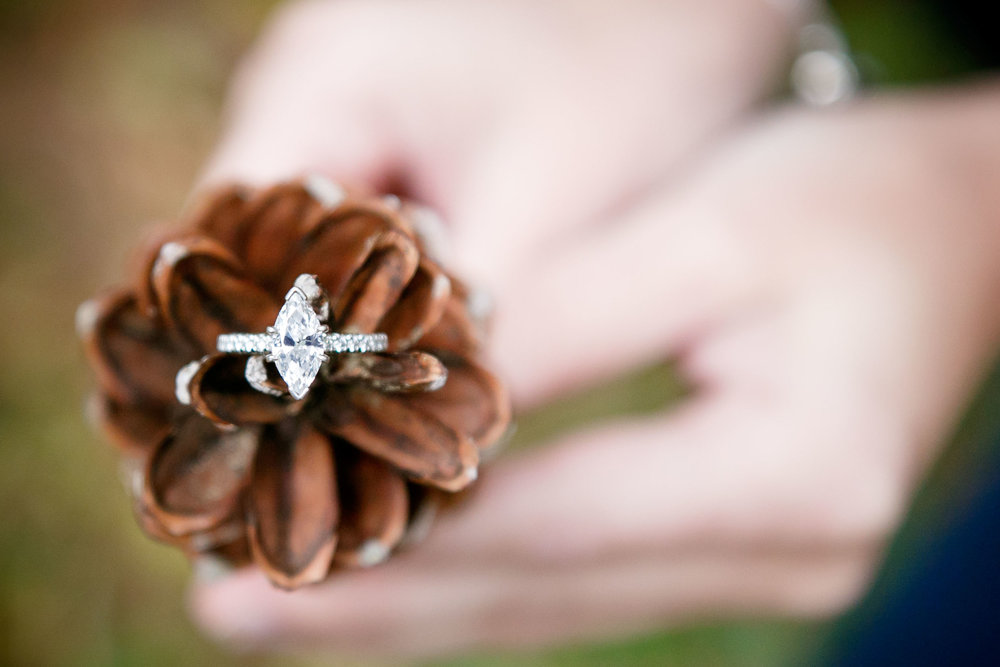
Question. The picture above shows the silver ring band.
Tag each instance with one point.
(299, 342)
(264, 343)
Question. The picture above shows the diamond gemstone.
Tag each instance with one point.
(297, 347)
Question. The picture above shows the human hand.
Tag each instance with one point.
(518, 120)
(828, 282)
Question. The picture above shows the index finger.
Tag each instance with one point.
(299, 104)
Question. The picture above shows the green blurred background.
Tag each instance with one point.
(107, 109)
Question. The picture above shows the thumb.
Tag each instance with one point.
(298, 104)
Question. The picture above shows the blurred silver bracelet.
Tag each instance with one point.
(823, 72)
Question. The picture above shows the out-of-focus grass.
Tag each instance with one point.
(106, 110)
(646, 391)
(901, 41)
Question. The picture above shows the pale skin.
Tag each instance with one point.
(828, 281)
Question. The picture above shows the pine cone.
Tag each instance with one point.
(220, 466)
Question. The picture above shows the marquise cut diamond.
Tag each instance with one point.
(297, 344)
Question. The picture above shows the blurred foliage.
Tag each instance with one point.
(901, 41)
(107, 109)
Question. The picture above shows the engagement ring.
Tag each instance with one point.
(299, 341)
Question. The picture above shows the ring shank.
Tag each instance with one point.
(244, 343)
(338, 343)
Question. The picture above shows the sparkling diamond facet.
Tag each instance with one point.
(297, 347)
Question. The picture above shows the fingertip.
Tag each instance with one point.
(240, 609)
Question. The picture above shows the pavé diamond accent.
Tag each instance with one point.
(246, 343)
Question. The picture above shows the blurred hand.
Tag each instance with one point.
(827, 280)
(518, 120)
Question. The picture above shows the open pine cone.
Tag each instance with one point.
(297, 486)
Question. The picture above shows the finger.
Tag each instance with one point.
(401, 610)
(529, 186)
(300, 103)
(630, 526)
(678, 482)
(623, 296)
(622, 113)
